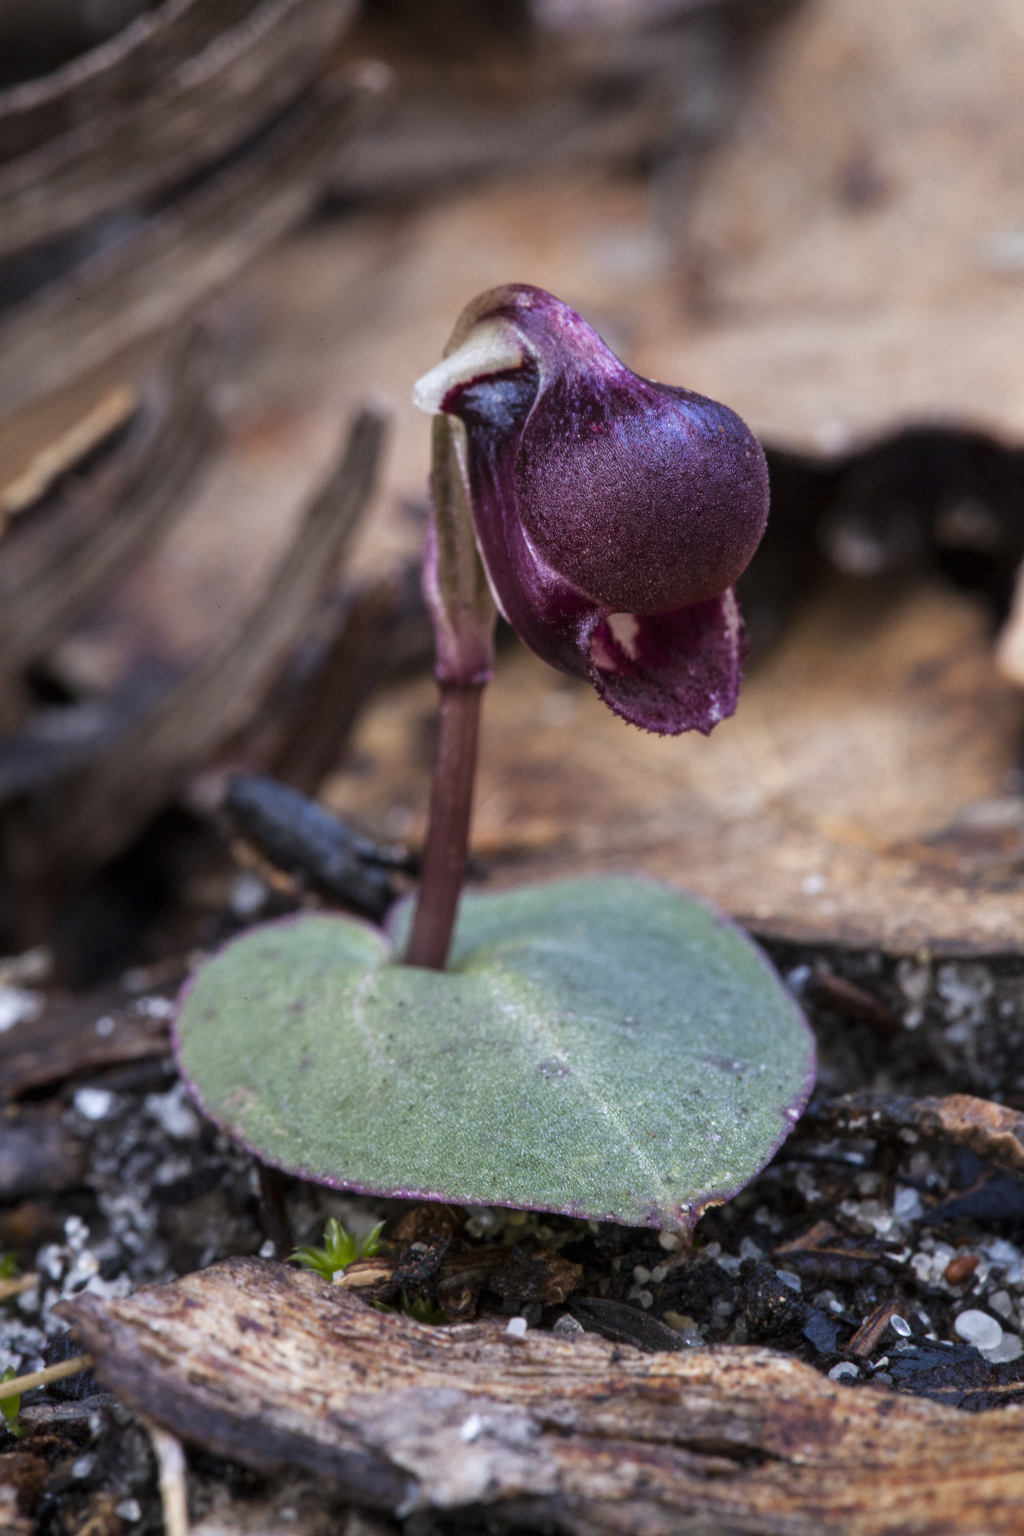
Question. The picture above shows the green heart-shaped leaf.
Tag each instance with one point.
(608, 1048)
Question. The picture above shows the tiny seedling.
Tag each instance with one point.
(419, 1311)
(10, 1407)
(8, 1266)
(608, 1047)
(340, 1249)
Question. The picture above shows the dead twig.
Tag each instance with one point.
(19, 1384)
(172, 1474)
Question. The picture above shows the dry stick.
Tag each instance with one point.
(14, 1287)
(451, 804)
(22, 1384)
(170, 1460)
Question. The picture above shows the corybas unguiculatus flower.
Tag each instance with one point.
(612, 514)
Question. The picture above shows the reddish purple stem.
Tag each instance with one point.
(451, 805)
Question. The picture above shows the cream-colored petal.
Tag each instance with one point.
(493, 346)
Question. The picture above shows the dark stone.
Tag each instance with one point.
(771, 1311)
(821, 1330)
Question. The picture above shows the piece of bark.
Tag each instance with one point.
(103, 419)
(316, 735)
(787, 815)
(535, 1277)
(182, 254)
(872, 1331)
(273, 1367)
(38, 1156)
(101, 809)
(823, 1253)
(993, 1132)
(78, 1035)
(128, 66)
(136, 143)
(59, 561)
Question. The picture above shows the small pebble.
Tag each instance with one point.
(1009, 1348)
(645, 1299)
(641, 1275)
(900, 1325)
(517, 1327)
(82, 1467)
(670, 1241)
(844, 1370)
(569, 1327)
(961, 1268)
(129, 1509)
(978, 1328)
(94, 1103)
(470, 1428)
(789, 1278)
(19, 1006)
(658, 1273)
(105, 1026)
(1000, 1302)
(906, 1205)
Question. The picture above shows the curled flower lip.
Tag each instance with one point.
(612, 513)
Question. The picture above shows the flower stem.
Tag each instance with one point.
(451, 804)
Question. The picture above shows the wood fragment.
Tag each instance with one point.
(993, 1132)
(77, 1035)
(170, 1460)
(111, 411)
(57, 563)
(182, 254)
(38, 1155)
(320, 726)
(872, 1330)
(249, 61)
(102, 808)
(273, 1367)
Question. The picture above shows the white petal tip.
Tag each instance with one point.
(491, 347)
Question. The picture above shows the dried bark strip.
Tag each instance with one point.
(127, 151)
(65, 1042)
(275, 1367)
(181, 255)
(109, 801)
(58, 562)
(38, 1156)
(993, 1132)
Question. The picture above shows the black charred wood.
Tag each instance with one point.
(301, 838)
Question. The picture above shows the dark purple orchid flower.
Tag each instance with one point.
(612, 513)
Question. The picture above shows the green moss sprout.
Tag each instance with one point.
(340, 1249)
(10, 1407)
